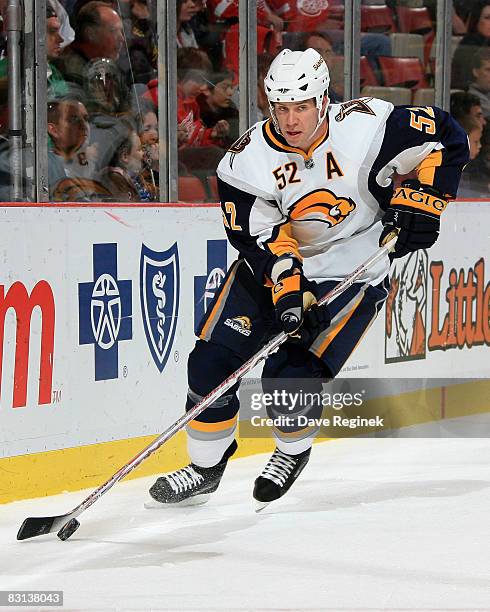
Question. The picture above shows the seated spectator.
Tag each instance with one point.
(66, 31)
(200, 148)
(98, 34)
(190, 83)
(148, 133)
(478, 36)
(68, 130)
(187, 59)
(121, 177)
(480, 84)
(474, 130)
(465, 104)
(57, 85)
(475, 180)
(142, 41)
(216, 104)
(186, 9)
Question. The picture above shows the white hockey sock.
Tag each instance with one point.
(207, 453)
(294, 447)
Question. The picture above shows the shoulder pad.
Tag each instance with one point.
(248, 164)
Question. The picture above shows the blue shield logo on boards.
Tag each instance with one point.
(206, 286)
(159, 293)
(105, 311)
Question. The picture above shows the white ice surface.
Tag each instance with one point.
(373, 523)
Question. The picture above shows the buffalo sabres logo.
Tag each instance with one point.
(406, 309)
(159, 293)
(323, 206)
(241, 324)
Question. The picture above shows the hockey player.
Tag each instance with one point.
(306, 197)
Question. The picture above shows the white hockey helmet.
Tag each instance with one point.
(295, 76)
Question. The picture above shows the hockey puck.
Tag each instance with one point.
(69, 529)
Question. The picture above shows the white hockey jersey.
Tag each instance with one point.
(325, 205)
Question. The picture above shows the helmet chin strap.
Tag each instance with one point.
(321, 116)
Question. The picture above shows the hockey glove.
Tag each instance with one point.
(295, 302)
(414, 212)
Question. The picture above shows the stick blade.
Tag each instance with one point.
(40, 525)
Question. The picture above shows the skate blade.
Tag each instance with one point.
(259, 506)
(197, 500)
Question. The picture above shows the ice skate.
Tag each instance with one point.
(278, 476)
(190, 485)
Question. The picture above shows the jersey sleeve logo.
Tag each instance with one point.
(322, 205)
(354, 106)
(239, 145)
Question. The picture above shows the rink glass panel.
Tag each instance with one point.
(374, 71)
(101, 112)
(207, 97)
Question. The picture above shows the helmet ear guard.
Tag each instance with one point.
(295, 76)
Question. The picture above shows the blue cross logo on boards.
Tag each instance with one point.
(105, 311)
(205, 286)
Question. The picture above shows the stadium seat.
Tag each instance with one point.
(191, 189)
(411, 3)
(402, 72)
(212, 182)
(377, 19)
(424, 96)
(407, 45)
(395, 95)
(368, 77)
(414, 20)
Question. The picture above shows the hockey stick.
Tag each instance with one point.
(68, 524)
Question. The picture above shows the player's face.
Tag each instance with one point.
(297, 122)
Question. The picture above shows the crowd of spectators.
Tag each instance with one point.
(103, 86)
(102, 59)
